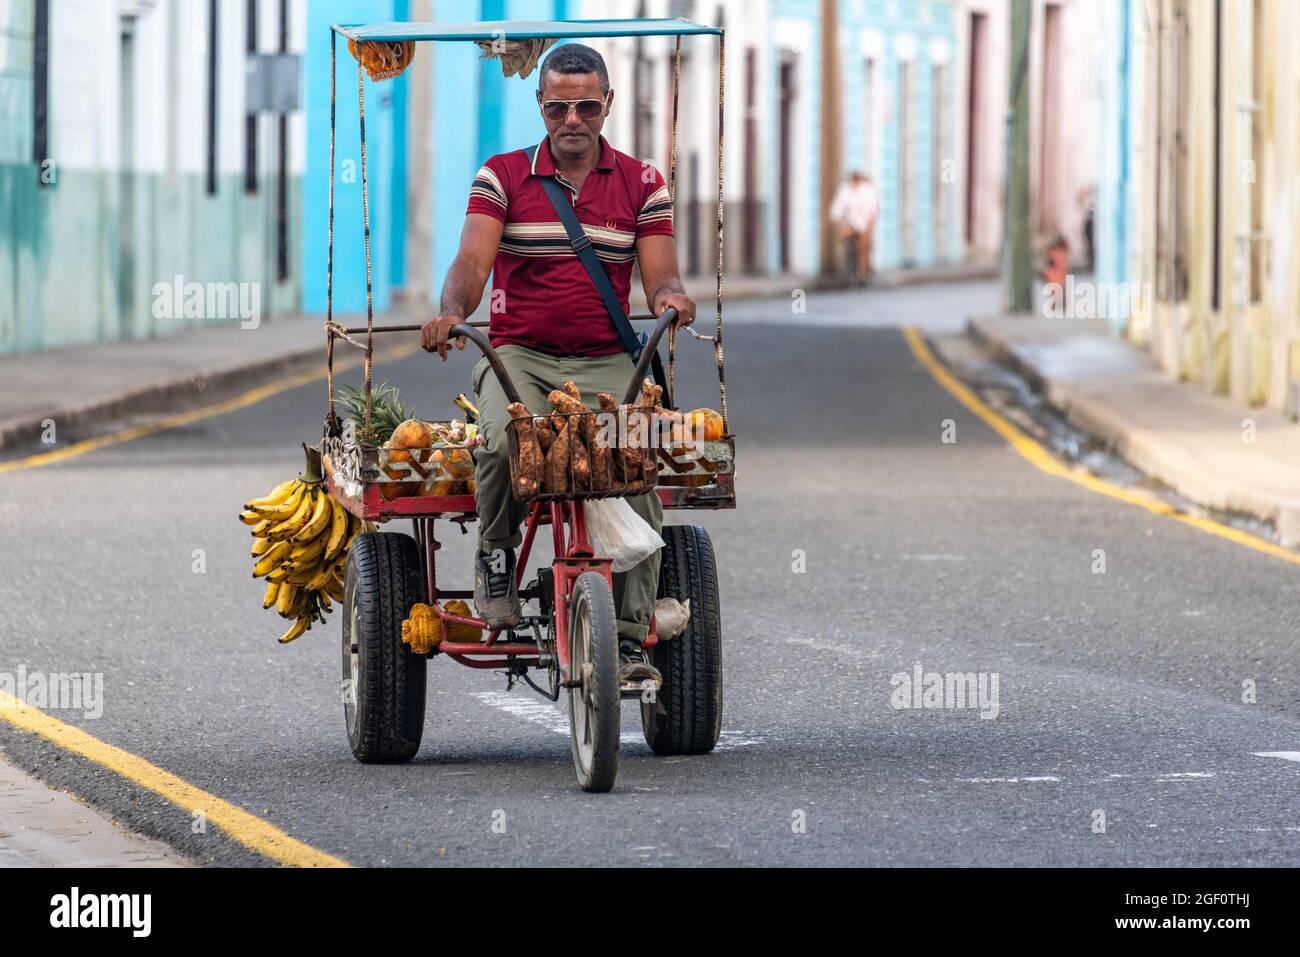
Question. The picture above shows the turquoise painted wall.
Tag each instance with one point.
(385, 165)
(398, 206)
(478, 113)
(804, 235)
(456, 120)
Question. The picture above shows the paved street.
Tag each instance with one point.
(864, 545)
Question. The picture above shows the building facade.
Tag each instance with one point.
(130, 153)
(127, 160)
(1065, 41)
(1202, 202)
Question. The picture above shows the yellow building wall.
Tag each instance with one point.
(1245, 347)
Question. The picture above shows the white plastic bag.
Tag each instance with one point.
(671, 617)
(617, 532)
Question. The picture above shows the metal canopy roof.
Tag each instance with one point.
(525, 29)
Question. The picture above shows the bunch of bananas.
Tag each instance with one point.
(301, 540)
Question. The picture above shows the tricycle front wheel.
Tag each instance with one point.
(594, 695)
(685, 716)
(384, 682)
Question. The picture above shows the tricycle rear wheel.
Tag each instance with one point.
(384, 682)
(685, 716)
(594, 698)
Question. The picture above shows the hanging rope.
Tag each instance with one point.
(365, 215)
(338, 331)
(332, 419)
(722, 128)
(672, 199)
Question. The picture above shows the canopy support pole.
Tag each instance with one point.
(331, 422)
(365, 216)
(722, 129)
(672, 198)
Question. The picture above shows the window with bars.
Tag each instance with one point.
(907, 160)
(941, 158)
(869, 116)
(41, 91)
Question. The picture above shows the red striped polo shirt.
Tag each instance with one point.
(542, 298)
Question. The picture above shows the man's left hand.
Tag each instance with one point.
(683, 303)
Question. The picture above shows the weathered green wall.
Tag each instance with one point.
(73, 270)
(67, 277)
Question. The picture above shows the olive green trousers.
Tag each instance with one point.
(534, 375)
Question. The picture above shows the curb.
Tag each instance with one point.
(1149, 453)
(159, 396)
(42, 826)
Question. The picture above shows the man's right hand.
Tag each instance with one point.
(436, 334)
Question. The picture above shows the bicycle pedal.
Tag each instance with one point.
(635, 689)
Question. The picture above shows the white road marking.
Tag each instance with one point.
(1161, 777)
(820, 645)
(537, 711)
(1284, 755)
(549, 716)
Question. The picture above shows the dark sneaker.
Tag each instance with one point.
(634, 665)
(496, 594)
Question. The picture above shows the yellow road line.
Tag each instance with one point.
(252, 397)
(1043, 460)
(252, 832)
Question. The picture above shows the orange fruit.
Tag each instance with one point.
(707, 423)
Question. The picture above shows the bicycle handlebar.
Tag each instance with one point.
(648, 353)
(507, 385)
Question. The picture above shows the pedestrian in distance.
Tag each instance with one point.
(855, 210)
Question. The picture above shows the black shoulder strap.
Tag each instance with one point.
(581, 243)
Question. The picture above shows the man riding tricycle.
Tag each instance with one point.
(573, 424)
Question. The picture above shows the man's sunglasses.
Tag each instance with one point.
(559, 109)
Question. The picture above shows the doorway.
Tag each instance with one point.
(789, 92)
(974, 93)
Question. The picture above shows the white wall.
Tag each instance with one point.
(989, 114)
(83, 105)
(171, 85)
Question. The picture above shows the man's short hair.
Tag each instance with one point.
(570, 58)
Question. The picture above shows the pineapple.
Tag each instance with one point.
(387, 412)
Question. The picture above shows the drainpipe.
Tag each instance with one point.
(1017, 266)
(832, 151)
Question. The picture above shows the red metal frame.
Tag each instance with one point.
(574, 556)
(371, 506)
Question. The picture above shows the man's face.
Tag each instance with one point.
(573, 136)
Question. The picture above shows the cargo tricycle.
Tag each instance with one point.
(566, 644)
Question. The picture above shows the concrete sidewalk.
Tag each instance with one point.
(41, 827)
(1198, 444)
(76, 385)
